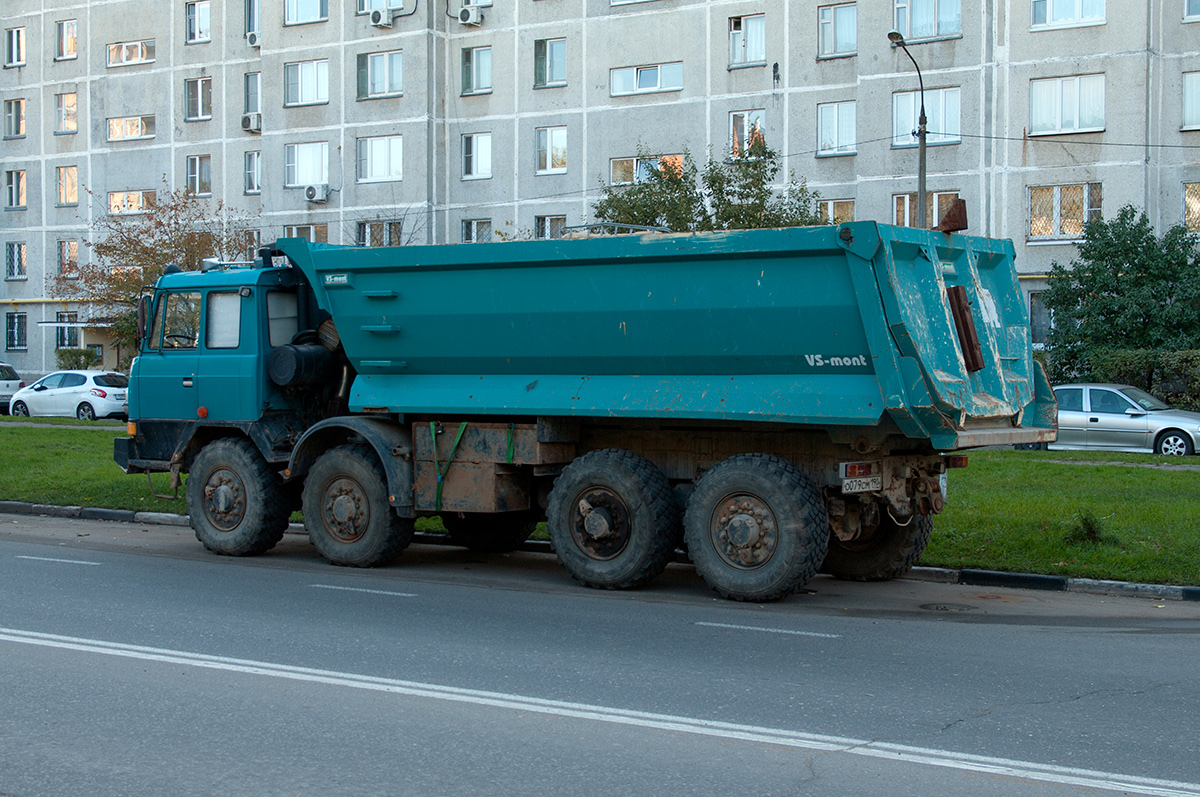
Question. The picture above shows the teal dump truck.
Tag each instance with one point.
(774, 402)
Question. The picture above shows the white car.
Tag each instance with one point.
(10, 382)
(85, 394)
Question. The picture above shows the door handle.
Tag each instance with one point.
(187, 382)
(1094, 420)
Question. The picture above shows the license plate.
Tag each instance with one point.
(864, 484)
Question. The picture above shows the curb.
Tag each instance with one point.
(941, 575)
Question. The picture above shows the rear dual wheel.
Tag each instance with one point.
(887, 550)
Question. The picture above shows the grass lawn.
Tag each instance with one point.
(1021, 511)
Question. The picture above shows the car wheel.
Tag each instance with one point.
(84, 412)
(20, 409)
(1173, 443)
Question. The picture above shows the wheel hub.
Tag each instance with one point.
(224, 500)
(602, 523)
(744, 531)
(345, 510)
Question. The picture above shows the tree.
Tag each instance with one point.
(1126, 289)
(132, 249)
(735, 194)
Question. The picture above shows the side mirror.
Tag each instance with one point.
(1135, 412)
(143, 312)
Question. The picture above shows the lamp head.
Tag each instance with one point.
(896, 37)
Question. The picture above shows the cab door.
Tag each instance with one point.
(1115, 422)
(230, 375)
(166, 367)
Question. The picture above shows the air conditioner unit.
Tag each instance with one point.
(381, 18)
(316, 193)
(252, 38)
(252, 122)
(470, 15)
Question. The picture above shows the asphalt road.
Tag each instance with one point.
(132, 662)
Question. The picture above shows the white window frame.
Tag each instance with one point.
(310, 80)
(367, 6)
(302, 12)
(551, 56)
(14, 47)
(941, 29)
(197, 22)
(306, 163)
(943, 112)
(472, 229)
(131, 53)
(1190, 114)
(66, 334)
(16, 260)
(15, 188)
(66, 251)
(66, 113)
(904, 207)
(381, 74)
(1066, 95)
(137, 127)
(476, 156)
(199, 174)
(743, 49)
(197, 99)
(834, 211)
(252, 172)
(313, 233)
(639, 167)
(1091, 211)
(253, 19)
(1191, 207)
(1191, 10)
(66, 33)
(14, 118)
(548, 141)
(475, 62)
(831, 24)
(744, 126)
(842, 126)
(252, 92)
(380, 159)
(16, 332)
(66, 181)
(128, 203)
(650, 79)
(1083, 14)
(380, 232)
(544, 227)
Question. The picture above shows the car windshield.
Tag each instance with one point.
(8, 372)
(1144, 399)
(112, 380)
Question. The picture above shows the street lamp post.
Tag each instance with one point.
(897, 38)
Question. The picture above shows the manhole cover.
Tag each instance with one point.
(946, 607)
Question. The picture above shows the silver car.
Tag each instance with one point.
(1123, 418)
(10, 382)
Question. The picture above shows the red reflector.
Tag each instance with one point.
(956, 461)
(202, 412)
(855, 470)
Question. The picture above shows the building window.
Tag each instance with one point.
(379, 233)
(14, 260)
(14, 332)
(199, 174)
(941, 113)
(551, 149)
(380, 74)
(66, 335)
(66, 40)
(253, 20)
(837, 29)
(1191, 100)
(1191, 206)
(550, 62)
(646, 79)
(370, 5)
(476, 230)
(1067, 12)
(380, 159)
(926, 19)
(477, 156)
(746, 129)
(306, 83)
(1061, 211)
(297, 11)
(66, 119)
(306, 164)
(836, 211)
(935, 206)
(252, 171)
(623, 171)
(1039, 319)
(1066, 105)
(125, 128)
(14, 47)
(253, 93)
(477, 70)
(199, 23)
(14, 118)
(128, 53)
(14, 188)
(1192, 9)
(547, 227)
(121, 202)
(835, 128)
(748, 40)
(197, 98)
(68, 258)
(67, 178)
(313, 233)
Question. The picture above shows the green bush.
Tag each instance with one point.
(1173, 376)
(76, 359)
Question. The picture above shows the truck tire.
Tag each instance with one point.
(613, 520)
(889, 552)
(756, 528)
(235, 501)
(489, 532)
(346, 509)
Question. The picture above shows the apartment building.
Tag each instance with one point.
(383, 122)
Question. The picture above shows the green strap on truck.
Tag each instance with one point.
(442, 471)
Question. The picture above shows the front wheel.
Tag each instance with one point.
(84, 412)
(235, 501)
(19, 409)
(1173, 443)
(346, 509)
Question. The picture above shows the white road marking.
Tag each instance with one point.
(359, 589)
(770, 630)
(1048, 773)
(64, 561)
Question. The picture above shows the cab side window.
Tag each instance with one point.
(283, 317)
(223, 327)
(177, 321)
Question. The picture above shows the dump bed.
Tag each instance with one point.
(844, 325)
